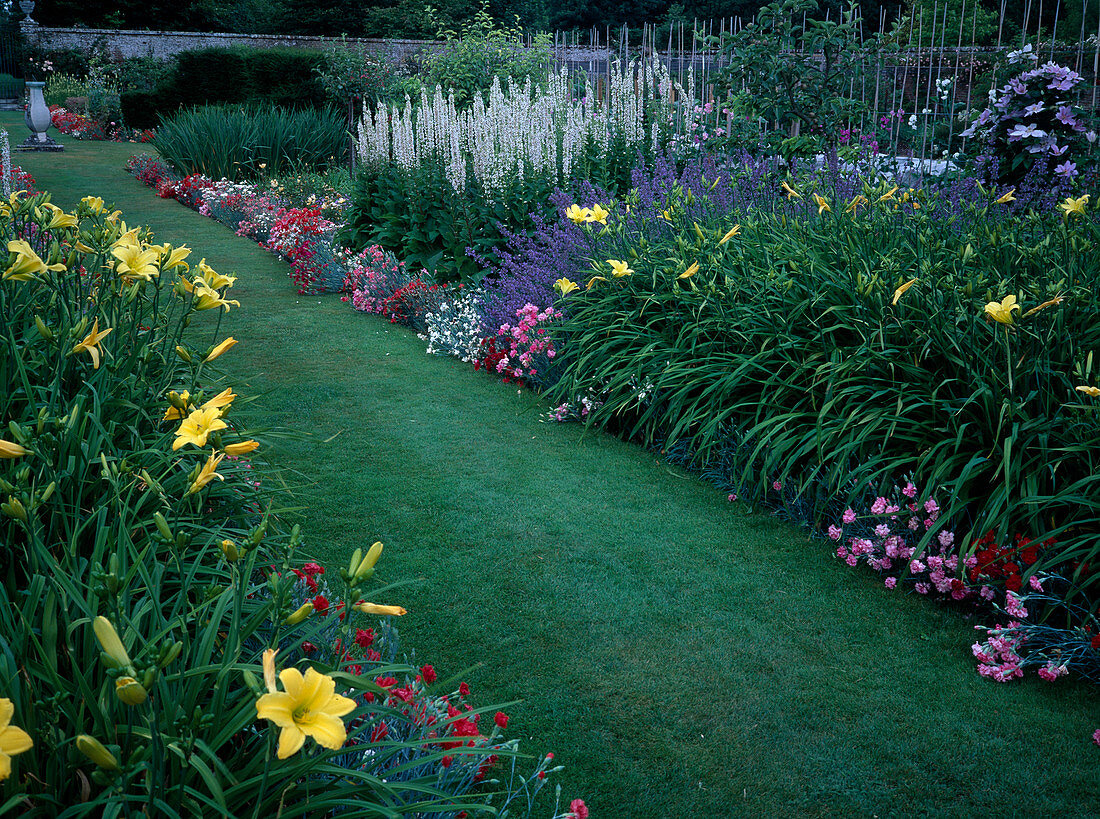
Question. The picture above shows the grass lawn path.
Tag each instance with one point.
(680, 656)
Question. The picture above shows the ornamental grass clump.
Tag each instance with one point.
(149, 578)
(834, 348)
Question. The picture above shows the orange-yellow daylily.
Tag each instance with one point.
(1074, 206)
(855, 203)
(1092, 392)
(592, 282)
(9, 449)
(598, 214)
(213, 279)
(565, 286)
(1048, 303)
(206, 298)
(901, 290)
(13, 740)
(1005, 198)
(889, 194)
(197, 426)
(382, 611)
(308, 705)
(577, 214)
(1002, 311)
(58, 217)
(241, 448)
(221, 348)
(27, 264)
(620, 269)
(93, 203)
(220, 401)
(90, 343)
(171, 257)
(822, 204)
(791, 192)
(733, 231)
(174, 412)
(207, 473)
(133, 262)
(691, 271)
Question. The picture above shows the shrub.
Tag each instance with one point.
(59, 87)
(233, 143)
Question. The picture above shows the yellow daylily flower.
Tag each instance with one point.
(220, 401)
(197, 427)
(577, 214)
(855, 203)
(207, 473)
(691, 271)
(383, 611)
(889, 194)
(230, 550)
(221, 348)
(1005, 198)
(206, 298)
(901, 290)
(90, 343)
(598, 214)
(93, 203)
(308, 706)
(592, 282)
(135, 263)
(1045, 305)
(565, 286)
(176, 412)
(58, 217)
(241, 448)
(791, 192)
(733, 231)
(620, 269)
(83, 248)
(127, 238)
(667, 215)
(1074, 206)
(130, 691)
(1002, 311)
(1092, 392)
(269, 669)
(27, 263)
(13, 740)
(822, 204)
(171, 257)
(9, 449)
(213, 279)
(299, 614)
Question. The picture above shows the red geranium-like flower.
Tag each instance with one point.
(364, 637)
(428, 673)
(320, 605)
(501, 719)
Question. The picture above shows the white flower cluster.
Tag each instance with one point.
(519, 131)
(456, 328)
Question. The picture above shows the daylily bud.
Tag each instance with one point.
(356, 559)
(301, 614)
(48, 492)
(96, 752)
(173, 653)
(183, 354)
(14, 509)
(366, 568)
(230, 550)
(149, 678)
(109, 641)
(385, 611)
(269, 669)
(130, 691)
(43, 330)
(162, 525)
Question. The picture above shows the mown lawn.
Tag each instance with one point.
(680, 656)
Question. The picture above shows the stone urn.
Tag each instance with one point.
(27, 6)
(37, 118)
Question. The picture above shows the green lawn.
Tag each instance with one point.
(680, 656)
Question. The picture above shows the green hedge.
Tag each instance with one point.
(283, 77)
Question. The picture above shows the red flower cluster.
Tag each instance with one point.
(1006, 562)
(490, 358)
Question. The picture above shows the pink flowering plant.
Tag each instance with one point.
(523, 351)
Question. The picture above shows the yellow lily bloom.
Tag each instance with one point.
(58, 217)
(691, 271)
(1075, 206)
(733, 231)
(855, 203)
(27, 262)
(93, 203)
(213, 279)
(127, 238)
(1092, 392)
(889, 194)
(13, 740)
(9, 449)
(308, 706)
(135, 263)
(565, 286)
(176, 412)
(901, 290)
(383, 611)
(619, 269)
(222, 400)
(221, 348)
(206, 298)
(822, 204)
(667, 215)
(577, 214)
(90, 343)
(598, 214)
(791, 192)
(1002, 311)
(197, 427)
(207, 473)
(171, 257)
(242, 448)
(1005, 198)
(592, 282)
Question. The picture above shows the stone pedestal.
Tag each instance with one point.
(37, 118)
